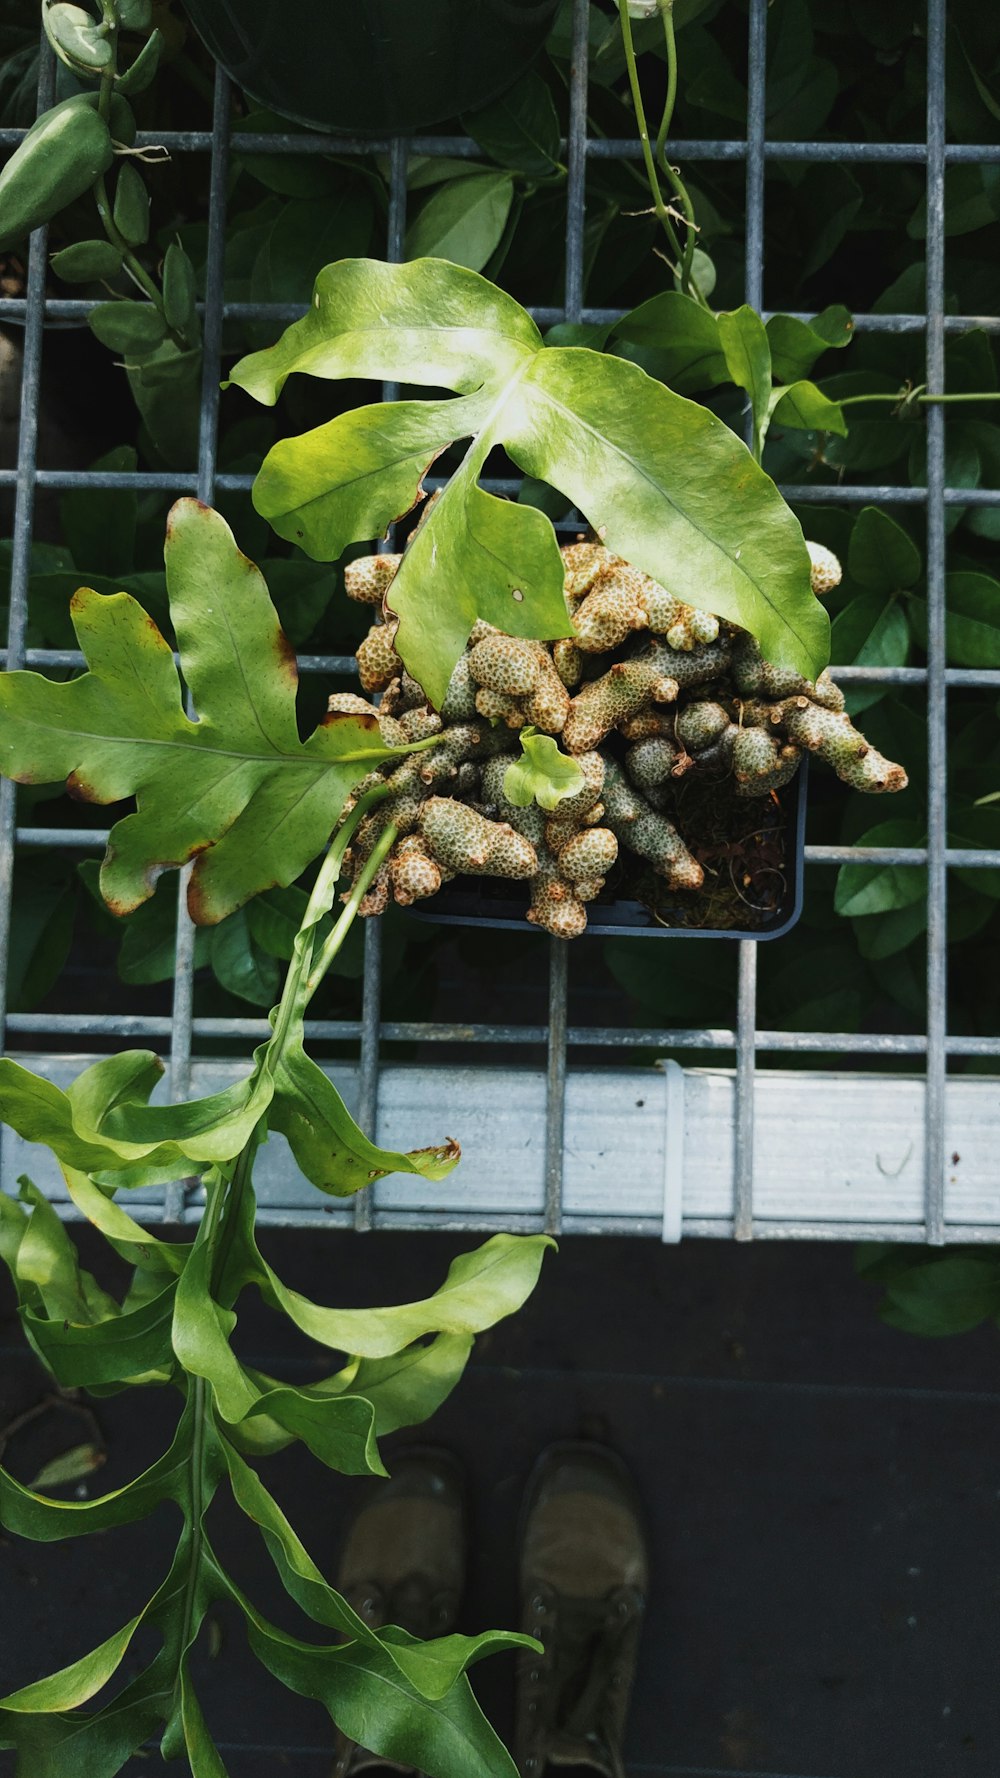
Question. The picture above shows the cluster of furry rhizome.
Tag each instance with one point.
(647, 689)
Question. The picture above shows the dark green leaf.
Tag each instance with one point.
(131, 207)
(87, 262)
(864, 889)
(748, 359)
(142, 71)
(882, 557)
(801, 405)
(179, 290)
(99, 524)
(945, 1293)
(973, 620)
(291, 175)
(123, 1347)
(131, 328)
(796, 345)
(306, 234)
(871, 631)
(122, 729)
(462, 221)
(675, 340)
(521, 129)
(240, 966)
(275, 918)
(368, 1697)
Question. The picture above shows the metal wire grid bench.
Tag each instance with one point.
(741, 1152)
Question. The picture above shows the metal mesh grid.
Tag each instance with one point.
(371, 1031)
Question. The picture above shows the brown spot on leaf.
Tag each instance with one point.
(81, 791)
(360, 720)
(287, 659)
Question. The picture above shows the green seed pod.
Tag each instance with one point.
(131, 207)
(86, 262)
(179, 292)
(60, 158)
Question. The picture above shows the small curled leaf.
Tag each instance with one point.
(128, 327)
(143, 70)
(131, 208)
(86, 262)
(179, 291)
(69, 1466)
(542, 775)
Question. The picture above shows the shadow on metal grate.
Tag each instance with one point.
(704, 1152)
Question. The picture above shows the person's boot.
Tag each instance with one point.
(404, 1563)
(584, 1575)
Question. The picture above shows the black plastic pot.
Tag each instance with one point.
(373, 67)
(475, 901)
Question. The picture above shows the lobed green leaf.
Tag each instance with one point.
(664, 483)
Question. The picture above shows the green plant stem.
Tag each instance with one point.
(670, 101)
(217, 1193)
(680, 189)
(226, 1195)
(918, 396)
(659, 206)
(359, 890)
(685, 256)
(134, 266)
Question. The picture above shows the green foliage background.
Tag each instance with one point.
(833, 235)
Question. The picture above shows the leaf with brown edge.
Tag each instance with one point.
(234, 788)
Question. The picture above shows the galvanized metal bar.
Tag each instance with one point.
(970, 678)
(862, 1043)
(371, 1002)
(94, 839)
(24, 515)
(641, 1227)
(798, 493)
(576, 199)
(58, 308)
(208, 430)
(937, 706)
(576, 161)
(599, 148)
(746, 993)
(555, 1084)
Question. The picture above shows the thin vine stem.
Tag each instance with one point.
(671, 173)
(683, 256)
(659, 206)
(359, 890)
(903, 400)
(134, 266)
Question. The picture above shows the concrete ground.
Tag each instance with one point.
(823, 1495)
